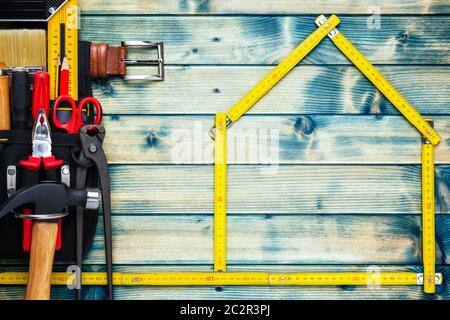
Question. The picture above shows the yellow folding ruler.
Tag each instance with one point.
(428, 215)
(62, 30)
(382, 84)
(231, 278)
(220, 194)
(289, 62)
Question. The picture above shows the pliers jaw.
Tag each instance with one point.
(91, 139)
(41, 136)
(41, 145)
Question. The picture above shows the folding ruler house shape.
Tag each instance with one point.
(223, 121)
(430, 138)
(220, 277)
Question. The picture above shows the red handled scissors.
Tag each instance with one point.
(76, 120)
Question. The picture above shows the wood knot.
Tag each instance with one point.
(152, 140)
(402, 38)
(197, 6)
(105, 87)
(442, 184)
(374, 104)
(304, 125)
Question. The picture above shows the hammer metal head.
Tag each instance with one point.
(49, 198)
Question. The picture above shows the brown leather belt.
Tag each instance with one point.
(107, 60)
(110, 61)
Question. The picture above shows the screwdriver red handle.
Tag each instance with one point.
(41, 93)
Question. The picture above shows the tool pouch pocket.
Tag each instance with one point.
(16, 146)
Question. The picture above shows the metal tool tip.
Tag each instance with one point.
(212, 133)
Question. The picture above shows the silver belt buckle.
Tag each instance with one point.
(159, 62)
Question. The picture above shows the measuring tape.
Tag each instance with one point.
(279, 72)
(63, 28)
(220, 194)
(382, 84)
(230, 278)
(349, 278)
(428, 223)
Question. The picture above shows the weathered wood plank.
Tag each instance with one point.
(263, 7)
(272, 239)
(231, 293)
(289, 190)
(265, 40)
(308, 89)
(271, 140)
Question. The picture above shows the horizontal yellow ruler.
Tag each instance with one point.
(231, 278)
(428, 214)
(286, 65)
(380, 82)
(64, 23)
(220, 194)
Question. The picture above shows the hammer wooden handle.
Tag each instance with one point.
(41, 259)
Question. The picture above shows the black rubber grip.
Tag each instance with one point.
(20, 99)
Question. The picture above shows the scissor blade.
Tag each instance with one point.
(42, 142)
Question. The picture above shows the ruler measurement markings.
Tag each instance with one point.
(63, 30)
(53, 48)
(381, 83)
(232, 278)
(220, 194)
(428, 214)
(72, 47)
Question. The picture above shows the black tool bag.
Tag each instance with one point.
(15, 146)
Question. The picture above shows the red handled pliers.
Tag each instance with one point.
(42, 154)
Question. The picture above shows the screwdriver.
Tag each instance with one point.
(20, 98)
(41, 94)
(5, 120)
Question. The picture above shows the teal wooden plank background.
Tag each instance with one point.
(342, 192)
